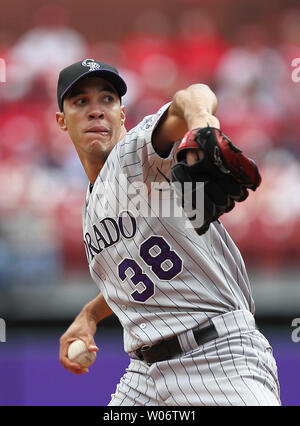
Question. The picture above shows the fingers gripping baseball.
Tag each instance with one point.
(83, 330)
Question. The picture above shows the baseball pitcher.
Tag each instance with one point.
(175, 280)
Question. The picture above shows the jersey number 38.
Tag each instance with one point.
(164, 263)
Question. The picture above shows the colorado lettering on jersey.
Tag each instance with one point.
(108, 232)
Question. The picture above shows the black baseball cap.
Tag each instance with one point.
(86, 68)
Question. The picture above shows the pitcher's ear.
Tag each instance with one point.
(123, 115)
(60, 119)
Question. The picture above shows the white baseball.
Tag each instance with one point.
(78, 352)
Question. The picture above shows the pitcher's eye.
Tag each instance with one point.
(80, 101)
(108, 98)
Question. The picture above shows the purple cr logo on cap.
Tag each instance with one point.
(91, 64)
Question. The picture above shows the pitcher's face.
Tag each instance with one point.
(93, 117)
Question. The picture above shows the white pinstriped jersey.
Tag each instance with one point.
(157, 275)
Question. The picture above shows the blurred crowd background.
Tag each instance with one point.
(244, 50)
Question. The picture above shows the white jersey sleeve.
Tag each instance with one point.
(158, 276)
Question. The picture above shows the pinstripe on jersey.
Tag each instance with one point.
(211, 279)
(161, 279)
(237, 369)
